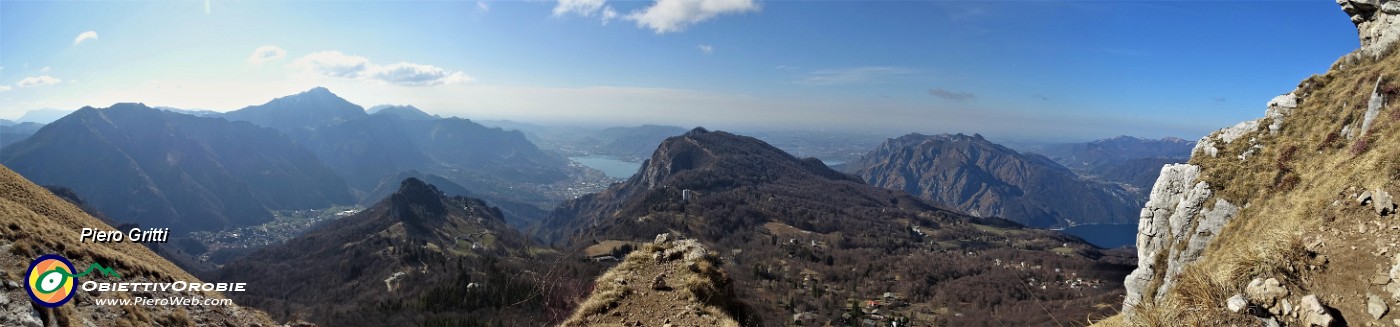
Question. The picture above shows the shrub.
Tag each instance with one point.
(1359, 147)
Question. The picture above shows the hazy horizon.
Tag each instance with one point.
(1060, 71)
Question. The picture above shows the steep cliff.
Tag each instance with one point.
(1286, 219)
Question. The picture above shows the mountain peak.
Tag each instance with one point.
(413, 186)
(318, 90)
(407, 112)
(414, 193)
(697, 131)
(297, 113)
(129, 106)
(701, 158)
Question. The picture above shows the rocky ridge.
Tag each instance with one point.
(1286, 219)
(668, 282)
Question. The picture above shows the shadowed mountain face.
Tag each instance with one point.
(15, 132)
(416, 258)
(299, 114)
(162, 169)
(797, 236)
(367, 148)
(977, 176)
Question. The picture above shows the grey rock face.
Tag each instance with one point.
(1377, 23)
(18, 312)
(1373, 107)
(1175, 214)
(1224, 136)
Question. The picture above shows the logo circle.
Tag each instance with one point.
(50, 280)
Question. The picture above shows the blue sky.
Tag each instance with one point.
(1052, 70)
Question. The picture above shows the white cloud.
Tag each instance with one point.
(4, 88)
(341, 65)
(334, 64)
(45, 70)
(706, 48)
(89, 35)
(42, 80)
(411, 74)
(266, 53)
(585, 8)
(666, 16)
(852, 75)
(482, 6)
(607, 14)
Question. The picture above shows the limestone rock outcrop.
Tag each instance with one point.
(1377, 22)
(1175, 225)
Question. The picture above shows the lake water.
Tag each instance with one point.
(611, 166)
(1106, 236)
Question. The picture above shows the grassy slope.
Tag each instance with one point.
(1299, 194)
(34, 222)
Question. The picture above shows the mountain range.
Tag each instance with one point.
(164, 167)
(776, 238)
(974, 175)
(12, 132)
(808, 244)
(1131, 161)
(366, 148)
(157, 168)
